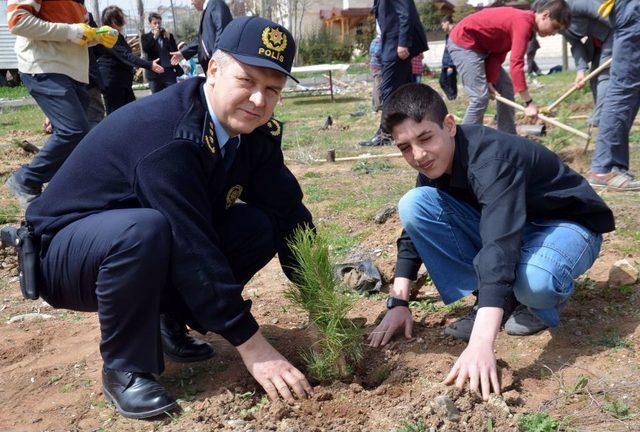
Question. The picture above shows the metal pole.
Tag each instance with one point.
(175, 18)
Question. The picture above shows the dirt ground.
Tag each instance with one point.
(50, 369)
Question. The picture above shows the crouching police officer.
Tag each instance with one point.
(144, 218)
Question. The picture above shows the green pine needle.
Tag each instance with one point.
(314, 290)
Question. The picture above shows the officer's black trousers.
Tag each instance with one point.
(394, 74)
(116, 263)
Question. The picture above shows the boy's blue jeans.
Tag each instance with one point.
(446, 234)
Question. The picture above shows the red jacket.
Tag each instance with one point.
(497, 31)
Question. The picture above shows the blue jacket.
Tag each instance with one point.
(153, 153)
(400, 26)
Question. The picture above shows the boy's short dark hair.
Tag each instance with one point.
(154, 15)
(559, 11)
(447, 19)
(414, 101)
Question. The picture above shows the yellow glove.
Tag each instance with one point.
(606, 7)
(107, 36)
(81, 34)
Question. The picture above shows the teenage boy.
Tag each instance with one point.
(479, 45)
(494, 214)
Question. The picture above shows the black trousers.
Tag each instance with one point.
(449, 83)
(117, 263)
(394, 74)
(117, 96)
(156, 85)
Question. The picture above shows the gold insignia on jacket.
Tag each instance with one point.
(274, 127)
(209, 138)
(233, 195)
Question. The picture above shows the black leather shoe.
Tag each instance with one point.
(377, 141)
(178, 346)
(135, 395)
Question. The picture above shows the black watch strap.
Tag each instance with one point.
(529, 102)
(393, 302)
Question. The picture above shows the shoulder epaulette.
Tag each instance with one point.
(273, 129)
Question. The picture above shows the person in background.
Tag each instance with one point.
(53, 60)
(479, 45)
(159, 44)
(532, 48)
(117, 63)
(375, 65)
(190, 67)
(610, 161)
(417, 68)
(215, 17)
(95, 107)
(591, 40)
(403, 37)
(448, 73)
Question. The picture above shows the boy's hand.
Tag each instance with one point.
(395, 318)
(477, 363)
(403, 52)
(272, 371)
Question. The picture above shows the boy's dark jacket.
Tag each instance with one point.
(161, 152)
(511, 181)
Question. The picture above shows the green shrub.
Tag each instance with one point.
(324, 46)
(538, 422)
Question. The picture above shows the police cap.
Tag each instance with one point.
(256, 41)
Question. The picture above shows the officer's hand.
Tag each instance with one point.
(395, 318)
(403, 52)
(176, 57)
(81, 34)
(272, 371)
(107, 36)
(156, 67)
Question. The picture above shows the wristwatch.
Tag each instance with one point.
(393, 302)
(527, 103)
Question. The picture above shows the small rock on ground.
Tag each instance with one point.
(622, 273)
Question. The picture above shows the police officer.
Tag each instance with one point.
(144, 218)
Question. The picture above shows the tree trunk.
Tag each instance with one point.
(140, 17)
(175, 18)
(95, 6)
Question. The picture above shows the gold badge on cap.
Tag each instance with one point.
(233, 194)
(275, 41)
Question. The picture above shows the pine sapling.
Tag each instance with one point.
(337, 341)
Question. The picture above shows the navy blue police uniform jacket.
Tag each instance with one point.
(161, 152)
